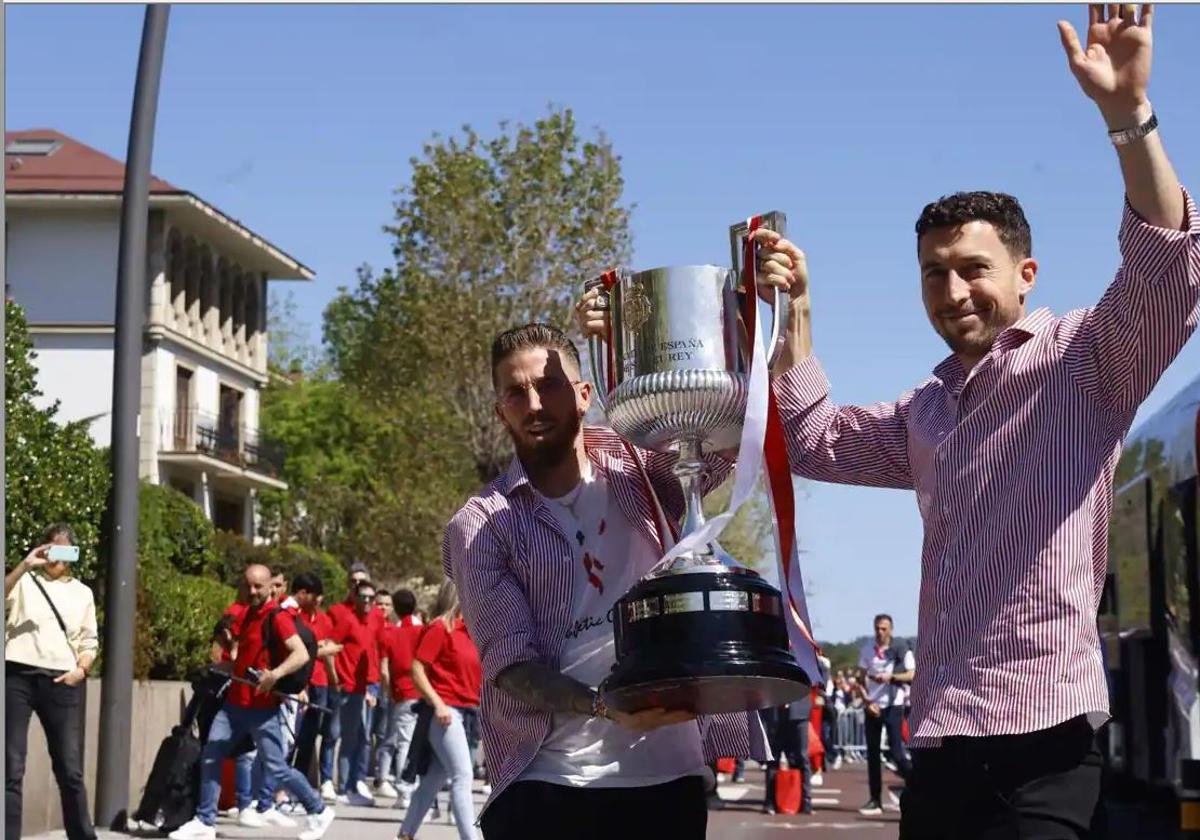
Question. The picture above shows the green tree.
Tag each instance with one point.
(489, 234)
(53, 472)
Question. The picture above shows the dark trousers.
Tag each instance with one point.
(791, 740)
(1041, 785)
(312, 724)
(892, 719)
(59, 708)
(537, 810)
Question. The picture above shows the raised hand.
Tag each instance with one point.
(1114, 68)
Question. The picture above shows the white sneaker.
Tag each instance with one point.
(357, 800)
(817, 779)
(277, 818)
(318, 824)
(404, 799)
(342, 799)
(837, 763)
(231, 812)
(328, 791)
(251, 818)
(364, 790)
(485, 789)
(194, 830)
(386, 790)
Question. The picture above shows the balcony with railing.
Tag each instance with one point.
(195, 432)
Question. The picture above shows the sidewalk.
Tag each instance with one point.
(836, 816)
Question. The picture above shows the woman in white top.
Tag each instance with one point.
(49, 647)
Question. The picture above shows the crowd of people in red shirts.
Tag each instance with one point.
(386, 706)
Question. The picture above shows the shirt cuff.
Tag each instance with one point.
(1147, 250)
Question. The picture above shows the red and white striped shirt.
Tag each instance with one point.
(513, 566)
(1012, 465)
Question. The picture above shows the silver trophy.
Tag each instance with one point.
(700, 632)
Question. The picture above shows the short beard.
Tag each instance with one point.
(538, 458)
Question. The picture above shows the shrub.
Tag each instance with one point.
(173, 532)
(53, 473)
(294, 559)
(176, 615)
(236, 553)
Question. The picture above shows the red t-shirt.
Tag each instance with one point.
(238, 612)
(252, 654)
(322, 628)
(358, 662)
(451, 663)
(399, 642)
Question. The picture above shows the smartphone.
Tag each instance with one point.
(63, 554)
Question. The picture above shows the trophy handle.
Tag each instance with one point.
(774, 220)
(597, 347)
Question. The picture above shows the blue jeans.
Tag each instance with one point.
(228, 727)
(312, 724)
(451, 758)
(352, 722)
(364, 752)
(393, 752)
(333, 736)
(243, 778)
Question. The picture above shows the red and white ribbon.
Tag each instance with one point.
(763, 439)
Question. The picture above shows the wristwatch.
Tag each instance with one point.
(1124, 136)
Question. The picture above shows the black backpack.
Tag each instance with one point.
(299, 679)
(172, 790)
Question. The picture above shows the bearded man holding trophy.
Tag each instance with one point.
(623, 649)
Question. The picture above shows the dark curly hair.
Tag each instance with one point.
(1000, 210)
(530, 336)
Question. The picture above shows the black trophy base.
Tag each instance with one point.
(702, 642)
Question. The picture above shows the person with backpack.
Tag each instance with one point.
(50, 643)
(889, 666)
(271, 656)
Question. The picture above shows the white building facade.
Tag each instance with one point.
(204, 362)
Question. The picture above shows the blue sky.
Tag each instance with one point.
(300, 122)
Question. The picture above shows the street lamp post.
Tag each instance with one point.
(112, 768)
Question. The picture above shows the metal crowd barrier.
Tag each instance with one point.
(850, 735)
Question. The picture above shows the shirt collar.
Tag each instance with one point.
(950, 370)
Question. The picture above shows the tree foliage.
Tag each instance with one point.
(489, 233)
(53, 472)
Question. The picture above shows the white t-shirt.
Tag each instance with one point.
(877, 662)
(593, 752)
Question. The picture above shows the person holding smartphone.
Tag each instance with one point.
(50, 644)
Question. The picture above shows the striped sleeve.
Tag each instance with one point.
(493, 603)
(1145, 317)
(842, 444)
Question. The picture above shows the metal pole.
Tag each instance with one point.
(112, 768)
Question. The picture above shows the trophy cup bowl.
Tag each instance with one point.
(700, 633)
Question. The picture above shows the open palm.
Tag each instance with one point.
(1114, 68)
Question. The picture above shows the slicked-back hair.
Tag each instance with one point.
(1000, 210)
(528, 337)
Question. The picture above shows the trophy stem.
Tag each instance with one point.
(690, 470)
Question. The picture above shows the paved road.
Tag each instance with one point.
(837, 803)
